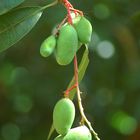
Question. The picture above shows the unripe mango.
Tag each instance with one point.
(63, 115)
(76, 19)
(67, 44)
(84, 30)
(48, 46)
(78, 133)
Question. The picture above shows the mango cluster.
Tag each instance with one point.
(63, 117)
(68, 40)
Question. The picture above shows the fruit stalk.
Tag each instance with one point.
(84, 118)
(68, 5)
(70, 9)
(66, 93)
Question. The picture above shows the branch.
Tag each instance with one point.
(84, 118)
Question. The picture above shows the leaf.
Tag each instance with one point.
(51, 132)
(6, 5)
(16, 24)
(82, 69)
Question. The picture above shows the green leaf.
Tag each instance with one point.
(16, 24)
(81, 71)
(6, 5)
(51, 132)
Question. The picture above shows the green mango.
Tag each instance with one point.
(48, 46)
(76, 19)
(84, 30)
(78, 133)
(63, 115)
(67, 44)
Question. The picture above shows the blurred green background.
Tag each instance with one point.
(31, 85)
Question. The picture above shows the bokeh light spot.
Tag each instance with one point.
(20, 76)
(101, 11)
(95, 39)
(123, 123)
(105, 49)
(10, 131)
(22, 103)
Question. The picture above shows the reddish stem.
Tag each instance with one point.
(66, 93)
(66, 2)
(68, 5)
(76, 11)
(70, 8)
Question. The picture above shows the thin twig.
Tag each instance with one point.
(56, 30)
(50, 5)
(84, 118)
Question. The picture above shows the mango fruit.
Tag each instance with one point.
(48, 46)
(67, 44)
(76, 19)
(84, 30)
(63, 115)
(78, 133)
